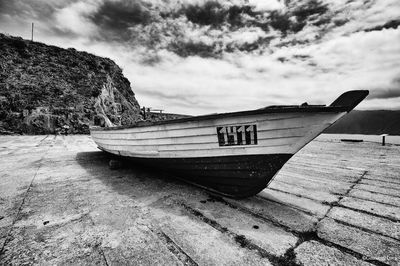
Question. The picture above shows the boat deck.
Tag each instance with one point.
(332, 203)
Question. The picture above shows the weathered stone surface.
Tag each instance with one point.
(203, 243)
(391, 212)
(326, 173)
(378, 197)
(74, 210)
(136, 245)
(292, 218)
(391, 190)
(370, 222)
(379, 184)
(270, 237)
(304, 204)
(372, 246)
(314, 194)
(316, 182)
(66, 243)
(313, 253)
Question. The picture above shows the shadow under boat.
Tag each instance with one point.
(129, 173)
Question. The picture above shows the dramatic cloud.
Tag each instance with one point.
(194, 56)
(392, 92)
(73, 19)
(114, 18)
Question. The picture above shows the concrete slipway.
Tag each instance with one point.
(333, 204)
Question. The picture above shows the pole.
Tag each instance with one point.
(144, 113)
(32, 32)
(383, 140)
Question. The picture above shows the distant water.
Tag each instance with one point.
(369, 138)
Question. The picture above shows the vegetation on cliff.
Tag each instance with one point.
(47, 89)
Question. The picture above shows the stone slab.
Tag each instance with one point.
(303, 191)
(366, 221)
(377, 197)
(313, 253)
(266, 235)
(391, 190)
(390, 212)
(292, 218)
(372, 246)
(203, 243)
(307, 205)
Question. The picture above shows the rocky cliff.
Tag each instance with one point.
(47, 89)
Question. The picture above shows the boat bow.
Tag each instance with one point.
(350, 99)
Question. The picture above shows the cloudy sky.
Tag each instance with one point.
(196, 57)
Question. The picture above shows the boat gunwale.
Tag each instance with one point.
(289, 109)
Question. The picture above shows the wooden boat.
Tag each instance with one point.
(234, 154)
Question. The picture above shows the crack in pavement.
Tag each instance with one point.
(7, 239)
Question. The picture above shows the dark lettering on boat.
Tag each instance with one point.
(237, 135)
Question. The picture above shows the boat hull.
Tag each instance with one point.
(231, 176)
(238, 163)
(234, 154)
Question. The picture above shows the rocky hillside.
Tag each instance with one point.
(47, 89)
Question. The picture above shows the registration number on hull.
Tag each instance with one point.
(237, 135)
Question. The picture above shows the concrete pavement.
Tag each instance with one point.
(332, 204)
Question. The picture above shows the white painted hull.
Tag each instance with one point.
(276, 132)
